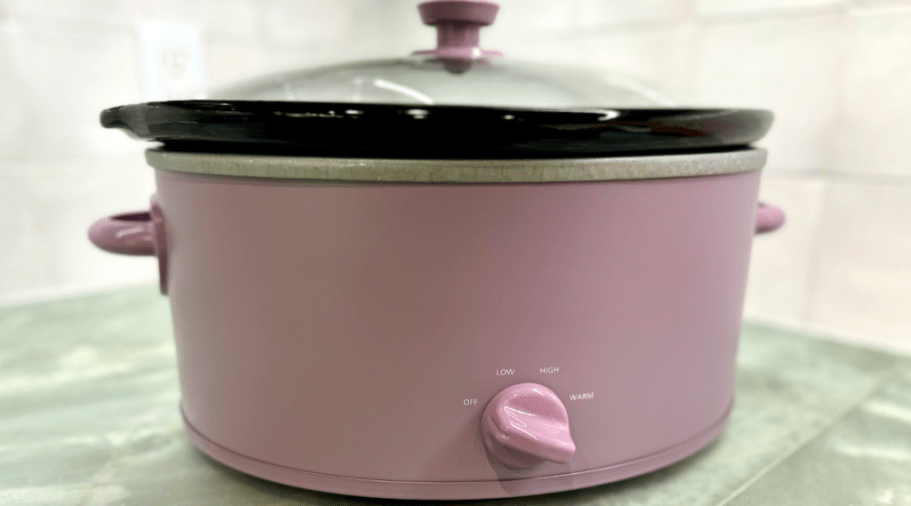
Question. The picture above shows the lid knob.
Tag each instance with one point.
(458, 23)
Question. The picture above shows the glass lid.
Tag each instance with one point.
(456, 100)
(457, 72)
(428, 80)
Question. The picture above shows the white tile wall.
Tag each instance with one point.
(307, 33)
(791, 66)
(52, 204)
(305, 22)
(24, 255)
(238, 18)
(94, 10)
(863, 283)
(873, 133)
(782, 262)
(836, 73)
(219, 18)
(406, 33)
(863, 4)
(63, 79)
(233, 61)
(607, 13)
(13, 126)
(537, 15)
(760, 7)
(661, 55)
(545, 48)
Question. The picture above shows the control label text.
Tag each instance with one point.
(582, 397)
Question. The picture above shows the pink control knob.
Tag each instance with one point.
(458, 24)
(526, 425)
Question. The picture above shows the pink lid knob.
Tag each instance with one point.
(458, 24)
(526, 425)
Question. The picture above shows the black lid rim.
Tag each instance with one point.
(433, 131)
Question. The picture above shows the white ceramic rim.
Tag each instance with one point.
(383, 170)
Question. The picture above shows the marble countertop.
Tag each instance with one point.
(88, 416)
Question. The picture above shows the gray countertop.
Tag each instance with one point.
(88, 416)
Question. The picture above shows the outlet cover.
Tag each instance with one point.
(171, 61)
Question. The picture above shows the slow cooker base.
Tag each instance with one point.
(430, 490)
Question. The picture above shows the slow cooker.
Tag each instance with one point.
(449, 276)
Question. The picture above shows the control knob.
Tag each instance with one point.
(526, 425)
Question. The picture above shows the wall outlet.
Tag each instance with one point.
(171, 61)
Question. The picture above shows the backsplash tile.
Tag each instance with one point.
(305, 22)
(865, 4)
(96, 10)
(46, 209)
(781, 262)
(404, 31)
(24, 257)
(873, 135)
(661, 55)
(65, 79)
(320, 33)
(753, 7)
(863, 283)
(229, 62)
(14, 125)
(542, 49)
(236, 18)
(622, 12)
(537, 16)
(791, 66)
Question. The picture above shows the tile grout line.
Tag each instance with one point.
(803, 442)
(816, 255)
(817, 251)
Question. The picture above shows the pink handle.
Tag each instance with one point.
(136, 233)
(768, 218)
(458, 24)
(126, 234)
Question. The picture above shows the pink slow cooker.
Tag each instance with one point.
(449, 276)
